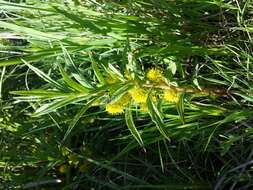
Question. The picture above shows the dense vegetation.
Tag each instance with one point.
(131, 94)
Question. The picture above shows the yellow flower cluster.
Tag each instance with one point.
(114, 108)
(155, 75)
(171, 95)
(117, 107)
(138, 94)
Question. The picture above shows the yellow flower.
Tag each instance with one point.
(117, 107)
(88, 120)
(63, 168)
(155, 75)
(114, 108)
(65, 151)
(171, 95)
(73, 159)
(138, 94)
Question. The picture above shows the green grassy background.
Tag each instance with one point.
(56, 57)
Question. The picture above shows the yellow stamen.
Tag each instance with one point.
(171, 95)
(139, 95)
(155, 75)
(114, 108)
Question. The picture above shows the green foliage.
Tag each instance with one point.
(126, 94)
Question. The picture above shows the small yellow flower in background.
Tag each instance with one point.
(114, 108)
(88, 120)
(117, 107)
(155, 75)
(171, 95)
(73, 159)
(63, 168)
(91, 120)
(65, 151)
(138, 94)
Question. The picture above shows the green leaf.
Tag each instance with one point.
(74, 70)
(78, 116)
(53, 106)
(30, 32)
(115, 170)
(157, 118)
(96, 70)
(6, 5)
(32, 57)
(180, 107)
(73, 84)
(44, 76)
(41, 93)
(172, 65)
(160, 156)
(121, 91)
(113, 70)
(85, 23)
(131, 126)
(245, 97)
(2, 81)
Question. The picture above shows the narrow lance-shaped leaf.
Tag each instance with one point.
(116, 72)
(74, 70)
(131, 126)
(84, 23)
(37, 55)
(44, 76)
(122, 90)
(78, 116)
(157, 118)
(73, 84)
(53, 106)
(96, 70)
(160, 156)
(2, 80)
(30, 57)
(41, 93)
(232, 117)
(5, 4)
(115, 170)
(180, 107)
(30, 32)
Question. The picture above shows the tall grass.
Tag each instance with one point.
(126, 95)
